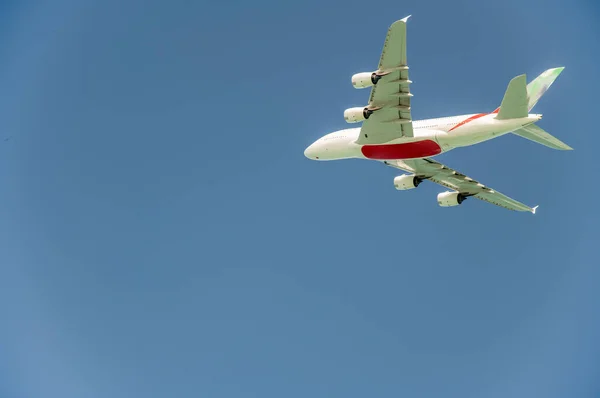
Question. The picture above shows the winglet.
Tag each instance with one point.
(534, 209)
(405, 18)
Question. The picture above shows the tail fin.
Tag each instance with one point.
(535, 90)
(537, 134)
(538, 86)
(515, 101)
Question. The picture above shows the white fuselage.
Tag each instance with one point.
(431, 137)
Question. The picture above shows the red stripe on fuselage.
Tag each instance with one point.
(409, 150)
(468, 120)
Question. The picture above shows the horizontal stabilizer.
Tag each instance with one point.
(515, 102)
(537, 134)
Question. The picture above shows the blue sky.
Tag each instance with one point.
(163, 235)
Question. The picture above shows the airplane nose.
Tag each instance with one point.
(306, 152)
(309, 152)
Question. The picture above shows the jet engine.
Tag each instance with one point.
(358, 114)
(450, 198)
(365, 79)
(407, 181)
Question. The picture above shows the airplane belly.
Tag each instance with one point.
(397, 151)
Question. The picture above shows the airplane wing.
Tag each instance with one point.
(390, 97)
(431, 170)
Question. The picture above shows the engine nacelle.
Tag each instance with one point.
(407, 181)
(365, 79)
(450, 198)
(358, 114)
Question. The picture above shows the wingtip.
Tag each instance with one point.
(406, 18)
(561, 146)
(533, 210)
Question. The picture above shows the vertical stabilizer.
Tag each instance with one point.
(538, 86)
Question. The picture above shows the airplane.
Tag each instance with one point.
(389, 135)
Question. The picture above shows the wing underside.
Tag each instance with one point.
(436, 172)
(390, 97)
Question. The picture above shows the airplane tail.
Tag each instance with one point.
(520, 99)
(538, 86)
(533, 91)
